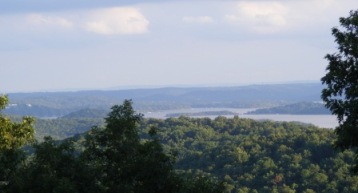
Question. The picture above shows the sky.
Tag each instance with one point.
(54, 45)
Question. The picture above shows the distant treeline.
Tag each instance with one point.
(57, 104)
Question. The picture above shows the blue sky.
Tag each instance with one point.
(72, 45)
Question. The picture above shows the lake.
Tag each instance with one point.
(324, 121)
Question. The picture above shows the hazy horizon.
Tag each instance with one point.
(75, 45)
(145, 87)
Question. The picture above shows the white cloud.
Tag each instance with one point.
(275, 16)
(117, 21)
(43, 20)
(259, 16)
(199, 19)
(108, 21)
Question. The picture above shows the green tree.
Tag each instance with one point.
(54, 168)
(122, 163)
(13, 135)
(341, 81)
(201, 184)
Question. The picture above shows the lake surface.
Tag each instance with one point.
(324, 121)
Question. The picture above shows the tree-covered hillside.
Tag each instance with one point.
(248, 155)
(258, 156)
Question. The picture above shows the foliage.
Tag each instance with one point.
(62, 128)
(124, 163)
(257, 156)
(13, 135)
(341, 92)
(114, 159)
(53, 168)
(3, 101)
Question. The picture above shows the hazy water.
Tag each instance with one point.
(325, 121)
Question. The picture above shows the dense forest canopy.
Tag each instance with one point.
(245, 155)
(258, 156)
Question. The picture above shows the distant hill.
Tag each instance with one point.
(35, 110)
(61, 103)
(87, 113)
(302, 108)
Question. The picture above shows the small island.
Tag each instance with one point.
(301, 108)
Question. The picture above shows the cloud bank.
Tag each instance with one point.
(117, 21)
(262, 17)
(106, 21)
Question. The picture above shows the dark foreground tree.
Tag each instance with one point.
(341, 81)
(53, 168)
(121, 162)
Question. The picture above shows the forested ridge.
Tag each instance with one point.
(246, 155)
(258, 156)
